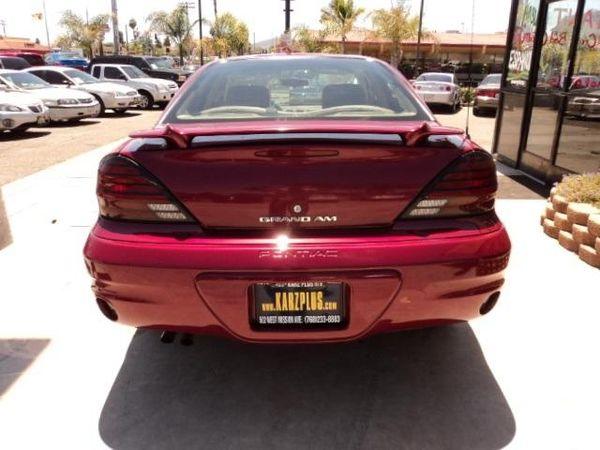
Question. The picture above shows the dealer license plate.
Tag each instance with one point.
(299, 305)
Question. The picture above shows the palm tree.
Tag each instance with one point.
(174, 25)
(398, 26)
(215, 7)
(82, 33)
(338, 18)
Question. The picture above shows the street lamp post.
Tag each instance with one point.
(115, 24)
(46, 22)
(200, 31)
(419, 34)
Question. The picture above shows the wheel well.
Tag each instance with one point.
(97, 97)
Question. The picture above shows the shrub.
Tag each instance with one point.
(581, 188)
(467, 95)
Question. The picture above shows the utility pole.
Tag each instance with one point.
(46, 22)
(115, 26)
(419, 34)
(200, 31)
(287, 11)
(3, 23)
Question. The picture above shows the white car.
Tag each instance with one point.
(438, 89)
(19, 111)
(113, 96)
(152, 90)
(63, 103)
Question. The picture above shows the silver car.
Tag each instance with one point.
(439, 88)
(487, 94)
(113, 96)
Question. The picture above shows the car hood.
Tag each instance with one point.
(18, 98)
(57, 93)
(104, 88)
(158, 82)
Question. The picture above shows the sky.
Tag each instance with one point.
(265, 18)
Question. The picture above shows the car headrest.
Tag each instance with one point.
(248, 95)
(342, 94)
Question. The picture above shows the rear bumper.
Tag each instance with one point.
(437, 98)
(486, 102)
(201, 285)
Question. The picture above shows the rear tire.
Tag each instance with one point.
(476, 111)
(147, 101)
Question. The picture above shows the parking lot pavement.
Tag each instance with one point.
(481, 128)
(42, 147)
(525, 376)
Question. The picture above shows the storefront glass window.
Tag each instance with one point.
(521, 50)
(579, 147)
(553, 67)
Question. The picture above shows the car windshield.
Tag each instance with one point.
(79, 77)
(435, 77)
(24, 80)
(159, 63)
(296, 88)
(492, 79)
(133, 72)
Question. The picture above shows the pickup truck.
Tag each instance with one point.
(152, 90)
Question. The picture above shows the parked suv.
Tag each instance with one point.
(153, 66)
(151, 90)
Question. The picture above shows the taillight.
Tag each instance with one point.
(467, 187)
(487, 92)
(448, 88)
(127, 192)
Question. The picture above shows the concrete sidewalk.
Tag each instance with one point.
(74, 380)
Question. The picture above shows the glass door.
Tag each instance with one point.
(524, 18)
(548, 92)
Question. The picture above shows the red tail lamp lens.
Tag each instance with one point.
(127, 192)
(468, 187)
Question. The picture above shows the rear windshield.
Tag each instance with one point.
(435, 77)
(296, 88)
(492, 79)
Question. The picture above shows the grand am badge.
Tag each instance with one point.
(297, 219)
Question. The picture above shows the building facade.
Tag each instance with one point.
(548, 120)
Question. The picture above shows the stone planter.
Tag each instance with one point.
(576, 226)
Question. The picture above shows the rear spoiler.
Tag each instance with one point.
(183, 138)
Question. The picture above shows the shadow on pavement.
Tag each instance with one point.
(15, 356)
(29, 134)
(77, 123)
(5, 235)
(424, 389)
(514, 184)
(113, 115)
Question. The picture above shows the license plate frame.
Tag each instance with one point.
(299, 305)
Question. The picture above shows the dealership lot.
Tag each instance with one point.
(524, 376)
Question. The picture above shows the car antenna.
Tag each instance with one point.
(470, 67)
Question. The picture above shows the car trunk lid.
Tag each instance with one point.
(241, 176)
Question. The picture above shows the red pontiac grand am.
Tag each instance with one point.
(300, 198)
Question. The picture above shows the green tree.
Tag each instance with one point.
(175, 25)
(398, 26)
(338, 18)
(81, 33)
(230, 35)
(308, 40)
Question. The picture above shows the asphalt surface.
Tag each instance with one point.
(39, 148)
